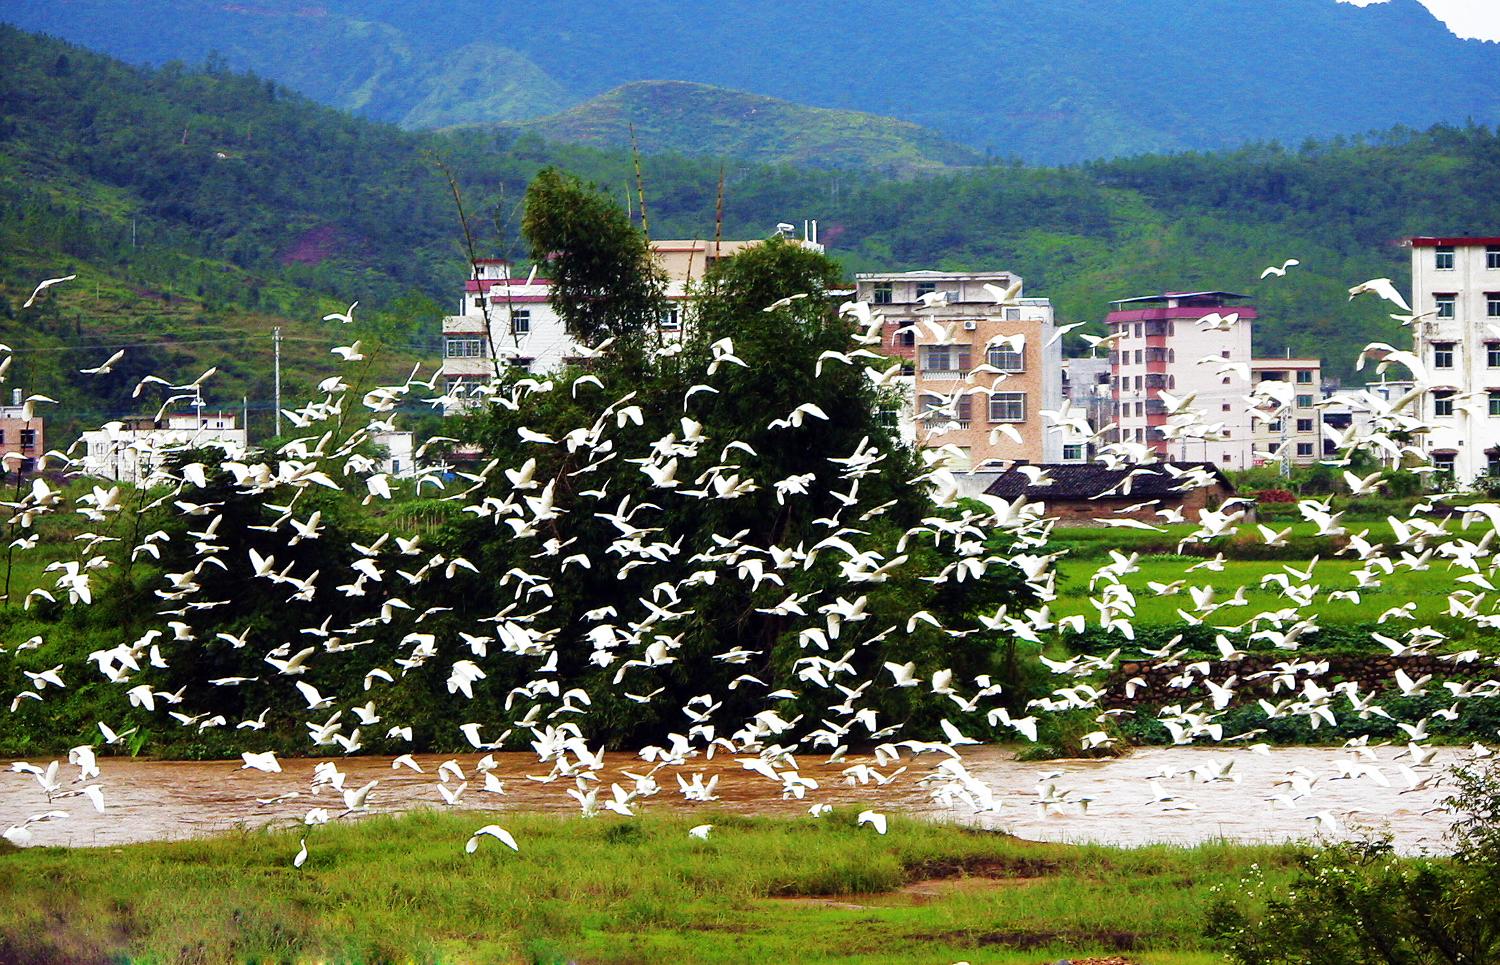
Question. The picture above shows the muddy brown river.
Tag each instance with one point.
(1146, 797)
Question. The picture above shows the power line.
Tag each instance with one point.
(79, 346)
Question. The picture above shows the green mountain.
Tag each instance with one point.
(697, 119)
(1047, 81)
(210, 205)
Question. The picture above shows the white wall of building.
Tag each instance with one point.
(1463, 402)
(125, 454)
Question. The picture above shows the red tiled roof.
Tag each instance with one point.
(1426, 242)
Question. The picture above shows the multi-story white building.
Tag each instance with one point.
(1455, 292)
(1199, 345)
(1086, 385)
(1171, 343)
(1300, 426)
(523, 328)
(525, 331)
(975, 366)
(131, 450)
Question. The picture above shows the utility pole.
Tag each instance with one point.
(276, 341)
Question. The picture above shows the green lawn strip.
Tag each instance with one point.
(610, 890)
(1429, 588)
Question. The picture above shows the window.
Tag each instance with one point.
(1012, 314)
(1444, 257)
(1442, 355)
(28, 438)
(670, 319)
(1304, 425)
(1140, 409)
(1492, 257)
(1492, 355)
(1274, 426)
(1492, 304)
(1137, 356)
(906, 337)
(934, 411)
(1225, 407)
(463, 348)
(1492, 464)
(883, 295)
(925, 288)
(1073, 452)
(1443, 462)
(1008, 407)
(462, 385)
(1442, 404)
(945, 360)
(1304, 448)
(1137, 329)
(479, 301)
(1304, 376)
(1494, 398)
(890, 418)
(1304, 401)
(1445, 305)
(1006, 360)
(520, 320)
(2, 437)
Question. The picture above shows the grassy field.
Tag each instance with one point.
(1429, 588)
(757, 890)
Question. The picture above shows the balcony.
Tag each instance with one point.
(944, 375)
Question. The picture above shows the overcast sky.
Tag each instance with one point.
(1467, 18)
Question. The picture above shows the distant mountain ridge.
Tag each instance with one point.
(1043, 80)
(678, 117)
(253, 204)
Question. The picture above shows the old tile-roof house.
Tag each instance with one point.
(1082, 491)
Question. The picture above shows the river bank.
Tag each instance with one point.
(1178, 795)
(756, 890)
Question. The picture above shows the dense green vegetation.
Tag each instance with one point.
(697, 119)
(1034, 79)
(758, 890)
(1356, 903)
(204, 200)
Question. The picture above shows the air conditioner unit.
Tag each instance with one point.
(970, 326)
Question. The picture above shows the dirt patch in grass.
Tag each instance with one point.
(1117, 941)
(913, 893)
(980, 866)
(932, 889)
(53, 950)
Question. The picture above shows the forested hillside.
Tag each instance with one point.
(705, 121)
(1047, 81)
(212, 205)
